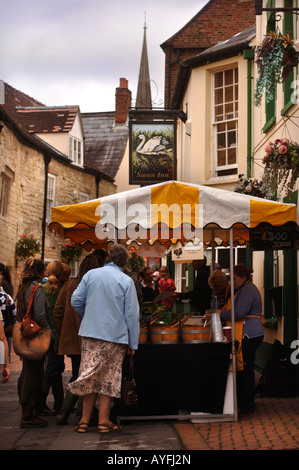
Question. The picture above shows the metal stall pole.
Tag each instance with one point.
(232, 288)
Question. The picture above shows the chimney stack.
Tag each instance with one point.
(123, 98)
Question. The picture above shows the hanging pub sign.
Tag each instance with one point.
(267, 237)
(152, 152)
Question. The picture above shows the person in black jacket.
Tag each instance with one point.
(201, 295)
(149, 288)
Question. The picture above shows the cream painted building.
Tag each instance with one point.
(276, 120)
(212, 144)
(225, 135)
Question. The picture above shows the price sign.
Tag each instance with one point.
(268, 237)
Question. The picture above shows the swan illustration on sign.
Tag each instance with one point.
(152, 156)
(156, 146)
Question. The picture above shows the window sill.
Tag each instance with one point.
(269, 124)
(286, 108)
(221, 180)
(77, 164)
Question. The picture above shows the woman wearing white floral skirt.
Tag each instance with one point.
(106, 299)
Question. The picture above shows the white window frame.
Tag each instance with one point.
(236, 253)
(51, 193)
(83, 197)
(76, 150)
(225, 122)
(6, 179)
(181, 276)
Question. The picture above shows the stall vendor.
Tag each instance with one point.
(249, 333)
(149, 288)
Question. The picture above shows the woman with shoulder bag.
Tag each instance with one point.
(31, 379)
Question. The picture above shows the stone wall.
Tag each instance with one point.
(25, 206)
(26, 200)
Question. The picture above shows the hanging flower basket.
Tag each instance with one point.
(136, 262)
(70, 252)
(275, 58)
(250, 186)
(27, 246)
(281, 164)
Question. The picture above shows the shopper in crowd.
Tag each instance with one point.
(55, 363)
(201, 294)
(66, 272)
(8, 309)
(106, 300)
(168, 285)
(31, 379)
(6, 279)
(220, 285)
(67, 323)
(4, 361)
(149, 288)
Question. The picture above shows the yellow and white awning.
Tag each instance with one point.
(168, 212)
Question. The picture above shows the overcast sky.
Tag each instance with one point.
(73, 52)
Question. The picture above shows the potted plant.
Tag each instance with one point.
(27, 246)
(70, 252)
(281, 164)
(275, 58)
(250, 186)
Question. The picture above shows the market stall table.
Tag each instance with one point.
(172, 379)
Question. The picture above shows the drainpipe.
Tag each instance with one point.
(98, 180)
(47, 160)
(248, 54)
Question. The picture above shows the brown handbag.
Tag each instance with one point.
(29, 339)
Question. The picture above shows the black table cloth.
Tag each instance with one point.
(173, 377)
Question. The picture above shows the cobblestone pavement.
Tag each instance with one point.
(273, 426)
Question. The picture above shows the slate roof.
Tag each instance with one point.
(231, 46)
(38, 120)
(105, 143)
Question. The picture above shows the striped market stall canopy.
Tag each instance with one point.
(167, 212)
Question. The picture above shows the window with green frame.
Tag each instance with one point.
(288, 28)
(271, 106)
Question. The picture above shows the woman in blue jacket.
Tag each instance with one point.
(106, 299)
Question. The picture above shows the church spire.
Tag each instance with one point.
(144, 99)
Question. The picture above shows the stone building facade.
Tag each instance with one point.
(27, 164)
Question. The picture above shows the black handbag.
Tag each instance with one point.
(128, 389)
